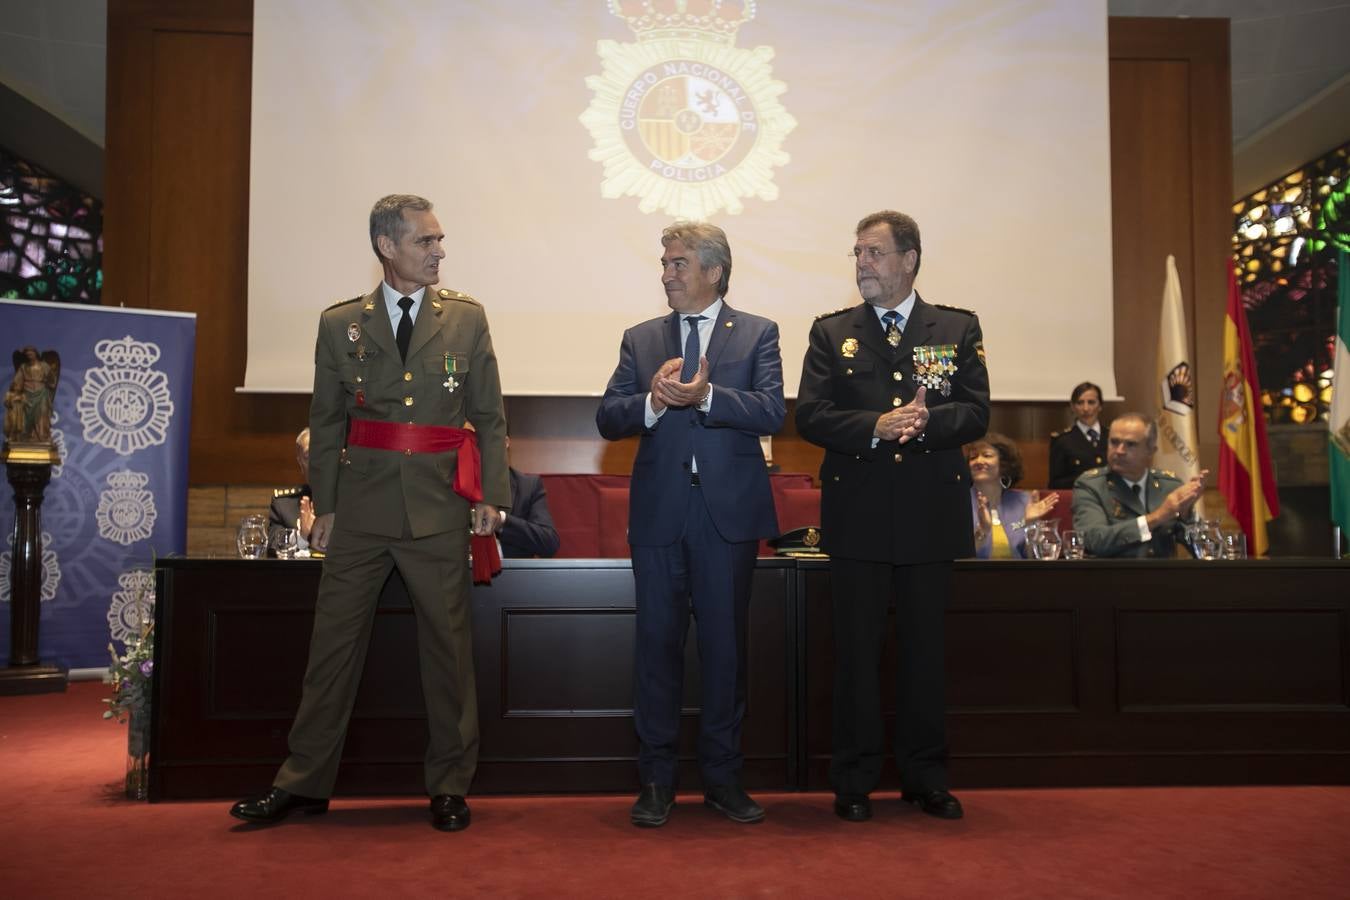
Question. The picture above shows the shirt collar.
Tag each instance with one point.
(710, 314)
(391, 298)
(1085, 429)
(905, 309)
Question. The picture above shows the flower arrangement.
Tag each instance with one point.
(131, 673)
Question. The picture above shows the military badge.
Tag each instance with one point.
(353, 332)
(360, 397)
(849, 348)
(893, 335)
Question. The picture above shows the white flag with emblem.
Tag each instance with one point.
(1178, 445)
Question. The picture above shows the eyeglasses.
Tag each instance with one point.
(872, 254)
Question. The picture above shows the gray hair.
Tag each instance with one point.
(386, 217)
(302, 439)
(708, 241)
(904, 230)
(1150, 426)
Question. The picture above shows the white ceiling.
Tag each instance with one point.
(1285, 54)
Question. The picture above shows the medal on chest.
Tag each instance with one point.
(934, 365)
(451, 366)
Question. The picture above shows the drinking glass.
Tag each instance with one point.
(1047, 539)
(1234, 545)
(1073, 545)
(1208, 539)
(252, 537)
(285, 542)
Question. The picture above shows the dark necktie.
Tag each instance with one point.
(1092, 436)
(691, 349)
(404, 334)
(894, 322)
(1138, 494)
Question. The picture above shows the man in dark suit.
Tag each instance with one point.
(397, 373)
(892, 389)
(699, 503)
(528, 530)
(1128, 508)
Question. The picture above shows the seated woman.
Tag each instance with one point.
(1000, 513)
(1081, 446)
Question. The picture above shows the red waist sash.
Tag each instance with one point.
(408, 439)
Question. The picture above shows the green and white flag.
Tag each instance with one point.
(1340, 403)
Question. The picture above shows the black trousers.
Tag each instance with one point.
(862, 595)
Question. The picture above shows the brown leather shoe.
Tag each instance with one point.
(276, 805)
(449, 812)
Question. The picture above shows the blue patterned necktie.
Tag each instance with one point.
(894, 323)
(691, 351)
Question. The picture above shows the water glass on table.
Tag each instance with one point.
(1073, 545)
(252, 537)
(285, 542)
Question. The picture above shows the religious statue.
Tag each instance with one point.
(28, 402)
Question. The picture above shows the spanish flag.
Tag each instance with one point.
(1245, 477)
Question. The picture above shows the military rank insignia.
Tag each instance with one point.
(849, 348)
(934, 365)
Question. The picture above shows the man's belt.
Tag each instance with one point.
(408, 438)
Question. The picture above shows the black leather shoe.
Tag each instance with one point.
(852, 808)
(276, 805)
(936, 803)
(449, 812)
(732, 801)
(653, 806)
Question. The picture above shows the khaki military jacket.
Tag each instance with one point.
(450, 377)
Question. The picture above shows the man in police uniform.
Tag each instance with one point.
(1127, 508)
(293, 507)
(397, 373)
(892, 389)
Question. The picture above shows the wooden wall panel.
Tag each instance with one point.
(177, 211)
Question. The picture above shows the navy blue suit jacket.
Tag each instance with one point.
(746, 374)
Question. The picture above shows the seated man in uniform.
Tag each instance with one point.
(292, 507)
(1127, 508)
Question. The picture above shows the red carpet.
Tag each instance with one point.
(65, 831)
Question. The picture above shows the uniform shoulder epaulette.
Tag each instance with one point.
(1168, 473)
(833, 312)
(1055, 434)
(288, 492)
(969, 312)
(355, 299)
(447, 294)
(1096, 471)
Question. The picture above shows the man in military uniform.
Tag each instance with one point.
(293, 507)
(892, 389)
(397, 374)
(1127, 508)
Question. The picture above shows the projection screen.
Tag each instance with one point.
(557, 139)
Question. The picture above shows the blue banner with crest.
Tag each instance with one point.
(118, 498)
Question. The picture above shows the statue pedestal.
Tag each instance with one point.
(29, 468)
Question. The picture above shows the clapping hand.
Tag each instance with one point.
(904, 423)
(668, 390)
(1040, 505)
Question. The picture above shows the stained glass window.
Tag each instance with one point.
(1286, 239)
(51, 242)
